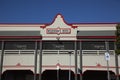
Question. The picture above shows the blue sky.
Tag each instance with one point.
(74, 11)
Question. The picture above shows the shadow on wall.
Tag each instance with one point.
(56, 75)
(98, 75)
(17, 75)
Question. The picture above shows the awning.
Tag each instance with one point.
(20, 35)
(96, 35)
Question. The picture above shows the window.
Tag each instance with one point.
(93, 45)
(58, 45)
(111, 45)
(0, 45)
(96, 45)
(19, 45)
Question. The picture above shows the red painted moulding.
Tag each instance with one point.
(97, 37)
(84, 37)
(20, 37)
(54, 66)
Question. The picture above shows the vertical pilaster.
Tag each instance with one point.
(2, 58)
(35, 62)
(81, 60)
(40, 61)
(76, 67)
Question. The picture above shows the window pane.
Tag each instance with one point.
(19, 45)
(93, 45)
(0, 45)
(111, 45)
(58, 45)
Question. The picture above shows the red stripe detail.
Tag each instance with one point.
(54, 66)
(84, 37)
(14, 66)
(21, 37)
(97, 37)
(99, 67)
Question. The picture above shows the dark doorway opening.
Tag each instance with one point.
(57, 75)
(98, 75)
(17, 75)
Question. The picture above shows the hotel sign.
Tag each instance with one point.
(58, 30)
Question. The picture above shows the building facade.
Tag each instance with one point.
(57, 50)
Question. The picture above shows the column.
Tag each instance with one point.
(81, 60)
(76, 68)
(35, 62)
(2, 58)
(40, 61)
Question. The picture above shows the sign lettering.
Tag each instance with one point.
(58, 30)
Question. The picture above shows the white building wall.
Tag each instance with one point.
(51, 61)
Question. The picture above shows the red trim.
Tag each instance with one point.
(40, 37)
(59, 36)
(97, 37)
(99, 67)
(107, 37)
(21, 37)
(55, 66)
(69, 23)
(43, 27)
(39, 40)
(22, 66)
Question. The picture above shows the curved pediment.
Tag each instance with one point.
(59, 22)
(58, 29)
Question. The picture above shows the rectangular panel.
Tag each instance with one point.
(58, 45)
(19, 45)
(19, 33)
